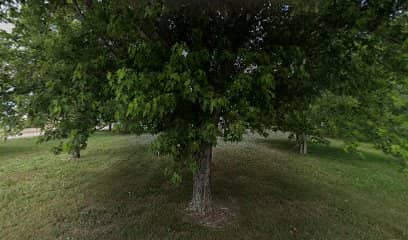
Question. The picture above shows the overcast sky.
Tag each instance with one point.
(6, 26)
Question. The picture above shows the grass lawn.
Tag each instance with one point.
(118, 191)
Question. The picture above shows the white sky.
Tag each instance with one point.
(6, 26)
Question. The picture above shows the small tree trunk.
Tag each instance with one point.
(201, 201)
(110, 127)
(76, 154)
(303, 143)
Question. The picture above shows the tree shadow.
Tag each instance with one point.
(332, 152)
(255, 173)
(17, 147)
(8, 150)
(285, 145)
(134, 199)
(337, 153)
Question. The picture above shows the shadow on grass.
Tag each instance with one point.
(332, 153)
(266, 175)
(18, 147)
(135, 200)
(339, 154)
(132, 199)
(285, 145)
(8, 150)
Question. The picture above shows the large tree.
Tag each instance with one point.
(191, 71)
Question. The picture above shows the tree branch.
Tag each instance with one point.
(78, 9)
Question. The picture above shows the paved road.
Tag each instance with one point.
(28, 132)
(35, 132)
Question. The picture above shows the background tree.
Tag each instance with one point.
(345, 44)
(67, 55)
(305, 124)
(11, 116)
(378, 112)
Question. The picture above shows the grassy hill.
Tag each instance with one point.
(118, 191)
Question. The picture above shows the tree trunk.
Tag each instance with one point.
(201, 201)
(76, 154)
(302, 141)
(110, 127)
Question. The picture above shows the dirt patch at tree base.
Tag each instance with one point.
(219, 216)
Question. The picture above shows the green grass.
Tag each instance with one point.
(118, 191)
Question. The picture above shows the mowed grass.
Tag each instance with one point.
(118, 191)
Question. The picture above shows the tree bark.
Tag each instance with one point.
(201, 201)
(76, 154)
(302, 141)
